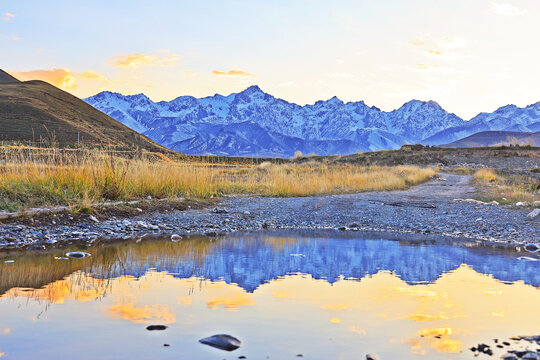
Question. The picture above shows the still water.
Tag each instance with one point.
(323, 297)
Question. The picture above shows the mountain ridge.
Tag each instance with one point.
(203, 121)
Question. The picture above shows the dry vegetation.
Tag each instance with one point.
(507, 188)
(82, 178)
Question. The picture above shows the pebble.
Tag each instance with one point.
(176, 237)
(222, 341)
(156, 327)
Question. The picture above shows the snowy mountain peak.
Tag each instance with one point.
(253, 123)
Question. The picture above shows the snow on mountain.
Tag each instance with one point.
(254, 123)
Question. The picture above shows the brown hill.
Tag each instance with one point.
(5, 78)
(36, 110)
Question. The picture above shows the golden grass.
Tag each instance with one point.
(506, 188)
(93, 176)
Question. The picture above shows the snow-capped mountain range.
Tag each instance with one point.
(253, 123)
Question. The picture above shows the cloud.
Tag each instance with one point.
(424, 68)
(449, 42)
(60, 77)
(340, 61)
(232, 73)
(420, 41)
(439, 54)
(137, 60)
(7, 17)
(286, 84)
(507, 9)
(341, 75)
(15, 38)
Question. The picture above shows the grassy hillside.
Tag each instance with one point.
(37, 111)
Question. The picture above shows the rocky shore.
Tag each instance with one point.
(439, 207)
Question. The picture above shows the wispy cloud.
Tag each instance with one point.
(443, 70)
(61, 77)
(232, 73)
(439, 54)
(507, 9)
(286, 84)
(137, 60)
(449, 42)
(15, 38)
(420, 41)
(341, 75)
(7, 17)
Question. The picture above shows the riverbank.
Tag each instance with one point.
(435, 207)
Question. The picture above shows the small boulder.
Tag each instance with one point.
(77, 254)
(175, 238)
(220, 211)
(372, 357)
(222, 341)
(156, 327)
(508, 356)
(532, 248)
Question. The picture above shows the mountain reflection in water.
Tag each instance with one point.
(339, 299)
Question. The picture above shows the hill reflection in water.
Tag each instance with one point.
(341, 298)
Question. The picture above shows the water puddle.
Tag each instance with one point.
(318, 297)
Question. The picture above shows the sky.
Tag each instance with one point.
(468, 55)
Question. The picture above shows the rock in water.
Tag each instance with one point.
(175, 238)
(222, 341)
(77, 254)
(156, 327)
(532, 247)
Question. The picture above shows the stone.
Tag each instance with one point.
(530, 355)
(222, 341)
(93, 218)
(156, 327)
(220, 211)
(175, 238)
(533, 214)
(372, 357)
(532, 248)
(521, 204)
(508, 356)
(77, 254)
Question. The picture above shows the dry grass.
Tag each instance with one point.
(93, 176)
(506, 188)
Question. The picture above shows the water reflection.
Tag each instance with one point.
(345, 297)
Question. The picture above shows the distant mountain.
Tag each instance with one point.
(35, 109)
(493, 138)
(506, 118)
(253, 123)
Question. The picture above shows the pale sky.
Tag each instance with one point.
(468, 55)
